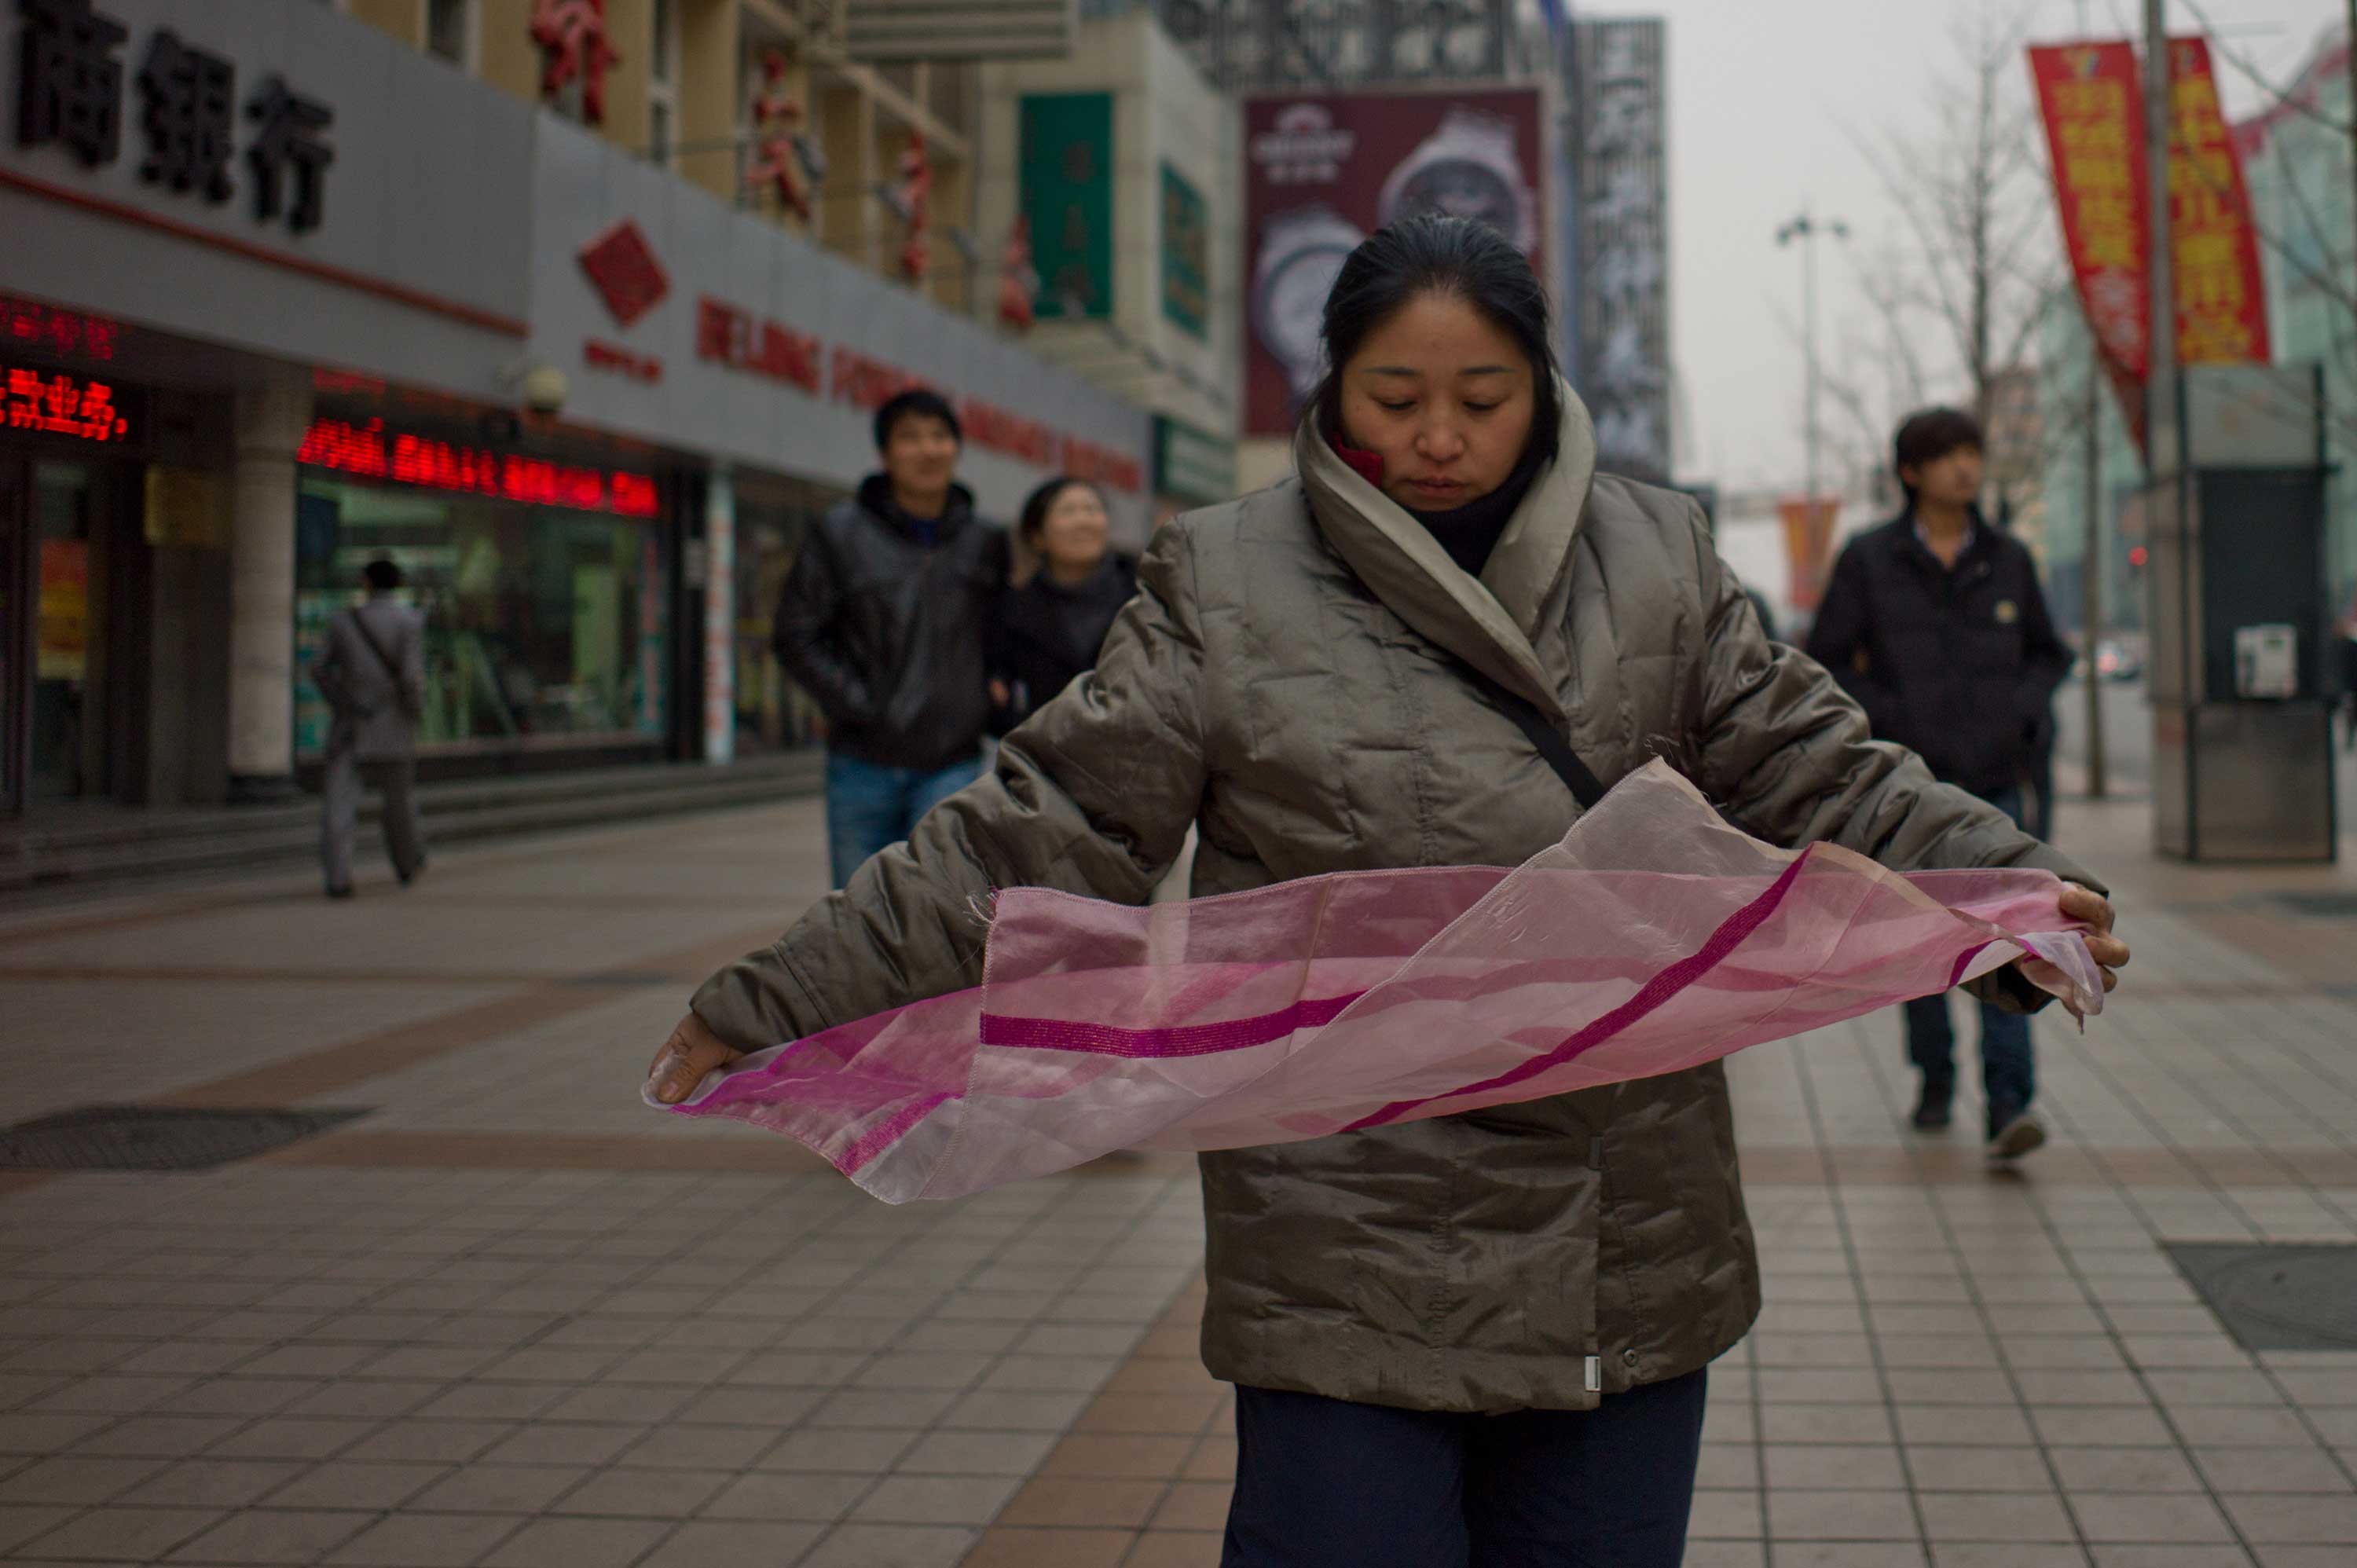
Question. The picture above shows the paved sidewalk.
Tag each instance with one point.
(512, 1318)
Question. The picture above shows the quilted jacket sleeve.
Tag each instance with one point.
(1092, 795)
(1787, 754)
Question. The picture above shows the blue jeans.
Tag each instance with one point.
(1325, 1483)
(2008, 1067)
(869, 805)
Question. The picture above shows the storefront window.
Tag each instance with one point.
(544, 626)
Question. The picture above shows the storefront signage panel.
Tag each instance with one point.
(369, 451)
(776, 353)
(76, 409)
(1067, 168)
(282, 178)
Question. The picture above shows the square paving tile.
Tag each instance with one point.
(579, 1543)
(2170, 1518)
(889, 1546)
(936, 1500)
(273, 1536)
(709, 1544)
(425, 1541)
(1839, 1516)
(120, 1534)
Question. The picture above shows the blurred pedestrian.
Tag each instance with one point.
(1049, 631)
(1479, 1337)
(372, 671)
(1935, 623)
(885, 622)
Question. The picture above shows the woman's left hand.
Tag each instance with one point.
(2094, 910)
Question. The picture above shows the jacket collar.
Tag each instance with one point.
(1907, 538)
(1491, 622)
(875, 496)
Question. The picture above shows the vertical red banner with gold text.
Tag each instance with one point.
(2221, 300)
(2089, 96)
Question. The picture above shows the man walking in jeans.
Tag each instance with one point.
(1934, 622)
(885, 622)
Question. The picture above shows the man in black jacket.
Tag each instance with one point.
(1934, 622)
(884, 620)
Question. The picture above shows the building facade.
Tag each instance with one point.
(296, 292)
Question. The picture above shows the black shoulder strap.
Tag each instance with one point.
(1552, 743)
(392, 670)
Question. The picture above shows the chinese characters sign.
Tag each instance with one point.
(43, 402)
(70, 89)
(1186, 254)
(369, 452)
(1067, 163)
(27, 325)
(2094, 131)
(2222, 307)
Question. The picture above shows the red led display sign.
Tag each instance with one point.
(65, 333)
(369, 451)
(51, 403)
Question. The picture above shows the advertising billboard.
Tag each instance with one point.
(1322, 172)
(1621, 363)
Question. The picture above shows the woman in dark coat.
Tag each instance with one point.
(1049, 630)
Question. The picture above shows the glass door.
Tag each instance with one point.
(66, 752)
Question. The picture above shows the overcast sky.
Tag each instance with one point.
(1762, 102)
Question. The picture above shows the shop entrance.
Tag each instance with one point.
(58, 551)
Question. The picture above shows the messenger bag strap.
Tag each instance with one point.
(1552, 743)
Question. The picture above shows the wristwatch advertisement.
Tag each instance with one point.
(1301, 252)
(1466, 168)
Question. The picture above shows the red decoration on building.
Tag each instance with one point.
(64, 333)
(916, 197)
(602, 355)
(780, 157)
(622, 267)
(572, 39)
(368, 452)
(1018, 281)
(61, 405)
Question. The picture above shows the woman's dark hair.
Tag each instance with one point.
(383, 576)
(1464, 259)
(916, 402)
(1930, 434)
(1042, 500)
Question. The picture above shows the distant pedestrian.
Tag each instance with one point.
(885, 622)
(1935, 623)
(372, 673)
(1049, 631)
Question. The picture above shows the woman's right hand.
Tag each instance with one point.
(692, 1051)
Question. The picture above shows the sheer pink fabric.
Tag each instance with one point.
(1653, 938)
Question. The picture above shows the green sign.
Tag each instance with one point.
(1189, 465)
(1067, 163)
(1186, 254)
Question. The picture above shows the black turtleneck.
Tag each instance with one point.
(1470, 531)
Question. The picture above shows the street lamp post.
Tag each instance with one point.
(1805, 229)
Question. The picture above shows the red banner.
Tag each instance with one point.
(2222, 301)
(2090, 97)
(1808, 548)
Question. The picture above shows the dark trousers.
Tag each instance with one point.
(339, 806)
(1323, 1483)
(2009, 1067)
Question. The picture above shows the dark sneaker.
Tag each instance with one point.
(339, 892)
(2013, 1133)
(1932, 1111)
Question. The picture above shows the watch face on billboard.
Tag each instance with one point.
(1301, 253)
(1325, 172)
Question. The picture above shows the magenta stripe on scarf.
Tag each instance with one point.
(1656, 991)
(1172, 1041)
(877, 1139)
